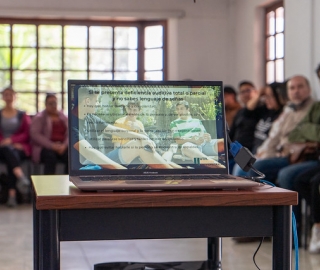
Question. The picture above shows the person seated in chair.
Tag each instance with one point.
(49, 134)
(14, 144)
(270, 159)
(265, 107)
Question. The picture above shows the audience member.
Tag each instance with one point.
(270, 159)
(14, 144)
(265, 106)
(49, 136)
(308, 130)
(242, 128)
(302, 176)
(231, 104)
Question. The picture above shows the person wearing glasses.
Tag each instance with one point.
(49, 136)
(242, 129)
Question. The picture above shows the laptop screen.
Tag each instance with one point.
(146, 127)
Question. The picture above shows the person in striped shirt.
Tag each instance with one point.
(192, 137)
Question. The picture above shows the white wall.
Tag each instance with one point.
(198, 32)
(202, 45)
(247, 34)
(209, 39)
(302, 40)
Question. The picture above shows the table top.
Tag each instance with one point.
(57, 192)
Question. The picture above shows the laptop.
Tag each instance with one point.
(148, 135)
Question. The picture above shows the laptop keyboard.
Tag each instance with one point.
(156, 177)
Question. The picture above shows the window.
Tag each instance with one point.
(274, 43)
(37, 57)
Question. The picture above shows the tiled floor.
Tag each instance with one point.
(16, 249)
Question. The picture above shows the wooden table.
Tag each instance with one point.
(64, 213)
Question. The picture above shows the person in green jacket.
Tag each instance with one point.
(309, 127)
(304, 177)
(308, 130)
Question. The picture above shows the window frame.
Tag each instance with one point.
(268, 9)
(140, 24)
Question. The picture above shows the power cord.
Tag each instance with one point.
(294, 231)
(255, 253)
(295, 240)
(245, 159)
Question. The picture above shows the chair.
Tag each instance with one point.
(305, 223)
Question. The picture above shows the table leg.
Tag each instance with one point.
(282, 238)
(47, 240)
(214, 253)
(35, 235)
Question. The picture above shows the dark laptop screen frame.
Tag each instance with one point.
(220, 127)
